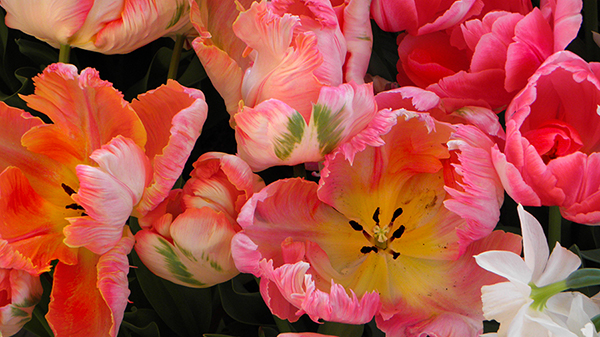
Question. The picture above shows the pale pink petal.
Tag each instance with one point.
(447, 324)
(108, 194)
(479, 195)
(113, 284)
(54, 22)
(174, 116)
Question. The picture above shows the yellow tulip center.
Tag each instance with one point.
(380, 240)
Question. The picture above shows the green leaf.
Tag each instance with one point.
(155, 75)
(592, 255)
(38, 324)
(341, 329)
(243, 306)
(142, 322)
(187, 311)
(193, 74)
(39, 52)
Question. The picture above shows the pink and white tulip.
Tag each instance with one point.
(187, 238)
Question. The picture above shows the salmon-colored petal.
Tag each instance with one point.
(78, 306)
(225, 74)
(108, 194)
(38, 235)
(139, 23)
(168, 149)
(99, 15)
(86, 113)
(54, 22)
(43, 173)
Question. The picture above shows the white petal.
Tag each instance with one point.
(561, 264)
(505, 264)
(535, 246)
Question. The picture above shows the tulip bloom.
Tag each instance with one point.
(109, 27)
(187, 239)
(20, 291)
(486, 61)
(374, 238)
(68, 187)
(552, 140)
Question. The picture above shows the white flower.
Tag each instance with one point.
(510, 303)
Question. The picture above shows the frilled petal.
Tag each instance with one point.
(38, 236)
(51, 21)
(108, 194)
(42, 172)
(274, 133)
(22, 291)
(198, 255)
(139, 23)
(86, 112)
(169, 148)
(89, 297)
(477, 198)
(280, 70)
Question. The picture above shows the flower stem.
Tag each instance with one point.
(341, 329)
(554, 226)
(64, 53)
(175, 57)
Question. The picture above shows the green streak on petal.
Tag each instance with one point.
(28, 302)
(181, 8)
(212, 263)
(329, 133)
(176, 267)
(17, 312)
(364, 38)
(285, 144)
(187, 253)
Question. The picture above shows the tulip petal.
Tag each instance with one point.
(359, 40)
(168, 149)
(198, 255)
(38, 237)
(54, 22)
(108, 194)
(86, 113)
(25, 291)
(132, 29)
(89, 297)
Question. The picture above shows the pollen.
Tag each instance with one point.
(380, 233)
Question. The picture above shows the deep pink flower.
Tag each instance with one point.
(553, 139)
(487, 61)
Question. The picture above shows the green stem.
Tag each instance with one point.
(175, 57)
(64, 53)
(283, 325)
(554, 226)
(341, 329)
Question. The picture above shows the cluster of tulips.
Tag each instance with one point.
(389, 216)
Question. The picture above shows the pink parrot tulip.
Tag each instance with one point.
(109, 27)
(486, 61)
(69, 187)
(187, 239)
(553, 140)
(374, 238)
